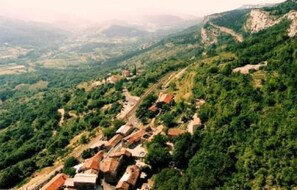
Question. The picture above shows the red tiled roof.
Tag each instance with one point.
(134, 174)
(126, 73)
(130, 177)
(113, 79)
(135, 136)
(114, 140)
(56, 183)
(109, 165)
(153, 108)
(175, 132)
(122, 185)
(122, 152)
(166, 98)
(93, 163)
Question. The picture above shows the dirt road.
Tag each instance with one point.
(236, 36)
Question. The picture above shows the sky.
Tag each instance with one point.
(102, 10)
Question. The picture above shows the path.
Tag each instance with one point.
(236, 36)
(62, 112)
(175, 76)
(150, 90)
(42, 176)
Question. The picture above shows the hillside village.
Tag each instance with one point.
(211, 107)
(119, 163)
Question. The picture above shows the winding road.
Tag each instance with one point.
(236, 36)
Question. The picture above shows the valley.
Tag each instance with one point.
(209, 106)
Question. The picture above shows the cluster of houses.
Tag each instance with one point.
(118, 165)
(125, 73)
(167, 99)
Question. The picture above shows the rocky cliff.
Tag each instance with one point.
(259, 20)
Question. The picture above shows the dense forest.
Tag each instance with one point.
(249, 137)
(31, 137)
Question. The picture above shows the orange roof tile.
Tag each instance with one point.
(130, 177)
(122, 185)
(122, 152)
(56, 183)
(166, 98)
(93, 163)
(134, 174)
(114, 140)
(135, 136)
(153, 108)
(91, 171)
(126, 73)
(175, 132)
(110, 165)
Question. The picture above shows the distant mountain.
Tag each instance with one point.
(123, 31)
(166, 22)
(256, 6)
(18, 32)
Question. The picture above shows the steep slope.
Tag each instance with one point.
(259, 20)
(247, 139)
(243, 22)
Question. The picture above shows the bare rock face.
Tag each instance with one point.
(292, 31)
(204, 35)
(259, 20)
(209, 36)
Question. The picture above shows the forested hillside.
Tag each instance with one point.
(248, 140)
(243, 93)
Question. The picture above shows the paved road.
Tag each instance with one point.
(164, 80)
(130, 117)
(150, 90)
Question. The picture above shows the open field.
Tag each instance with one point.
(13, 69)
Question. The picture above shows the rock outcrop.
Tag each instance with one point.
(259, 20)
(209, 36)
(292, 31)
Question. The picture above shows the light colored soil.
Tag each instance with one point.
(245, 69)
(128, 105)
(11, 70)
(62, 112)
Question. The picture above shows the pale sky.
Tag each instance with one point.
(100, 10)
